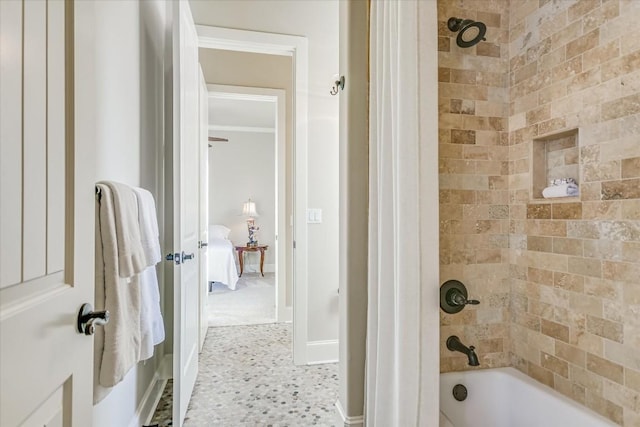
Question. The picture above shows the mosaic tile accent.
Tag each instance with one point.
(247, 378)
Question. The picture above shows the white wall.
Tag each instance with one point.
(318, 21)
(242, 168)
(129, 100)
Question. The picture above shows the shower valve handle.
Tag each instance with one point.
(454, 297)
(457, 298)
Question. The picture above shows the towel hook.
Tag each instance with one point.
(339, 84)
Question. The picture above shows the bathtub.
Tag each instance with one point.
(505, 397)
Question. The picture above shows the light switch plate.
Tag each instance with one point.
(314, 216)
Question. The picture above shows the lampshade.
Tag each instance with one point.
(249, 209)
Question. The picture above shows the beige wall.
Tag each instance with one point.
(264, 71)
(568, 313)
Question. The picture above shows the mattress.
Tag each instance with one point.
(222, 262)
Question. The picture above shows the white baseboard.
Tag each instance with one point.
(147, 406)
(343, 420)
(322, 352)
(165, 370)
(285, 314)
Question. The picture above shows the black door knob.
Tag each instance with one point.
(88, 319)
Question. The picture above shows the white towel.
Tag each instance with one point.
(131, 257)
(117, 344)
(562, 190)
(151, 323)
(148, 221)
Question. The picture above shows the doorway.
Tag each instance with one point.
(317, 161)
(248, 168)
(283, 59)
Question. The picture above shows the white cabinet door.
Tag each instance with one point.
(185, 152)
(204, 208)
(47, 203)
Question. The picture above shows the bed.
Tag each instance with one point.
(221, 254)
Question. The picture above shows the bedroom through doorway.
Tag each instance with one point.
(246, 65)
(244, 195)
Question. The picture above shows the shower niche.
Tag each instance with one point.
(554, 157)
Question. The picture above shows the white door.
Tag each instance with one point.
(185, 151)
(204, 208)
(47, 202)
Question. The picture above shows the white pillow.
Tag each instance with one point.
(217, 231)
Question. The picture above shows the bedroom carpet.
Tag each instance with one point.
(253, 301)
(247, 378)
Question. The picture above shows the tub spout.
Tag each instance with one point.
(454, 344)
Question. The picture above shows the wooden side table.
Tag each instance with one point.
(242, 249)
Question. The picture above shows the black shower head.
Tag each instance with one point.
(475, 29)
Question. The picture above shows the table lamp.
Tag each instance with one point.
(249, 210)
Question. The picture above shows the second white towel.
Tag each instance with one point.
(151, 322)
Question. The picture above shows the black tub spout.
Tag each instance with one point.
(454, 344)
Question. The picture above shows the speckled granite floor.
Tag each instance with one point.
(247, 378)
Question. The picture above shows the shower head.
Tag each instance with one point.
(470, 32)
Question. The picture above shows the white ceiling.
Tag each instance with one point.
(244, 113)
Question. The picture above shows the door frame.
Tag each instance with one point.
(297, 48)
(203, 210)
(277, 96)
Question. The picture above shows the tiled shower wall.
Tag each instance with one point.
(474, 169)
(559, 282)
(575, 263)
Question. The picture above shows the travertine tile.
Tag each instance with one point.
(444, 74)
(570, 353)
(444, 45)
(573, 265)
(618, 394)
(631, 167)
(543, 375)
(605, 368)
(463, 136)
(488, 49)
(541, 244)
(601, 288)
(601, 15)
(581, 8)
(605, 328)
(554, 364)
(474, 180)
(622, 107)
(585, 266)
(566, 210)
(632, 379)
(569, 282)
(601, 210)
(568, 246)
(554, 330)
(570, 389)
(604, 407)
